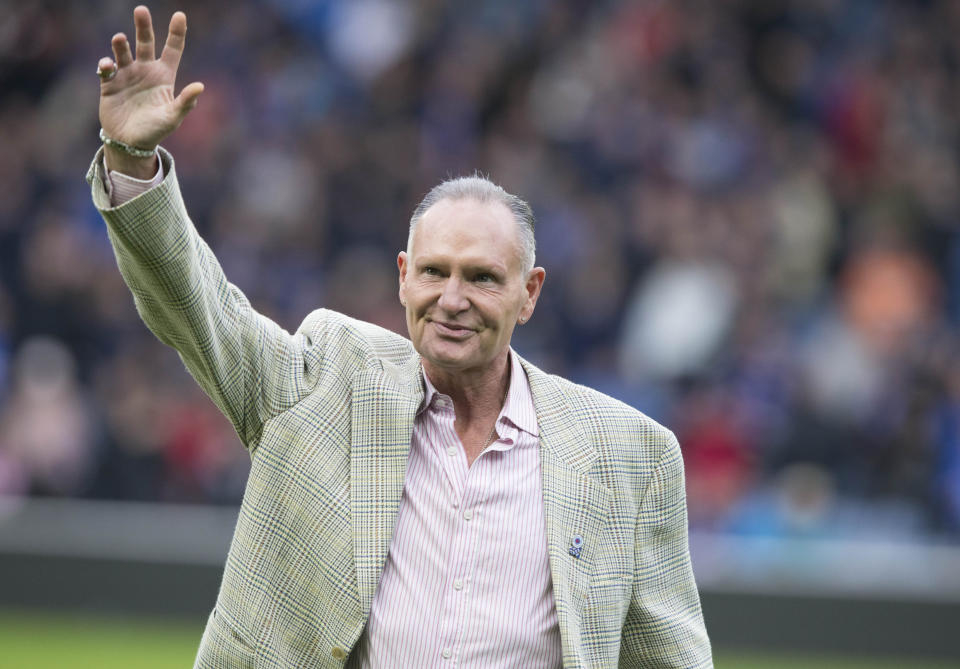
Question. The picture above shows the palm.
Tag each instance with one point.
(137, 105)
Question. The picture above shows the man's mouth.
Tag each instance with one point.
(452, 330)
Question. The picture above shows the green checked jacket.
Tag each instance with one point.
(327, 416)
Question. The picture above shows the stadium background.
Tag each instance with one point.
(747, 210)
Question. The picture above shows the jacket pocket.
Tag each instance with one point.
(222, 647)
(609, 597)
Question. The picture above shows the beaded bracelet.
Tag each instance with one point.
(126, 148)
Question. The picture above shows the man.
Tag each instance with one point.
(429, 502)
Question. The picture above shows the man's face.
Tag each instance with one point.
(464, 285)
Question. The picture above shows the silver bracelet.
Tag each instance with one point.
(126, 148)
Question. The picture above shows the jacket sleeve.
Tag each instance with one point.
(664, 625)
(248, 365)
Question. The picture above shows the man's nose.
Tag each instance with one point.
(453, 297)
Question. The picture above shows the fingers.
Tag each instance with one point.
(121, 50)
(188, 98)
(146, 50)
(146, 47)
(176, 37)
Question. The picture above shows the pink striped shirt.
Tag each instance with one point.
(467, 579)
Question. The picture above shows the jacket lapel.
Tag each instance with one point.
(383, 406)
(575, 504)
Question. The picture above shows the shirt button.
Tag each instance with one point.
(451, 451)
(468, 514)
(446, 652)
(338, 653)
(458, 584)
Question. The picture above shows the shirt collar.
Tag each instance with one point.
(518, 407)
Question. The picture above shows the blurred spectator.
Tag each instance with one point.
(46, 425)
(678, 320)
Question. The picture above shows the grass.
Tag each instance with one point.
(817, 661)
(40, 641)
(52, 641)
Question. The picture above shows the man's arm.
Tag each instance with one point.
(664, 626)
(249, 366)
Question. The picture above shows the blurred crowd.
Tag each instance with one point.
(747, 210)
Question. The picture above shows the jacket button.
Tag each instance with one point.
(338, 653)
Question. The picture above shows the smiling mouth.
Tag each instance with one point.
(452, 330)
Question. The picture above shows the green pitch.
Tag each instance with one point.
(39, 641)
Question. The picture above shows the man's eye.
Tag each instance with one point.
(484, 278)
(432, 271)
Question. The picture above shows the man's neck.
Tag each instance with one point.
(475, 395)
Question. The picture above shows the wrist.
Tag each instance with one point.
(133, 166)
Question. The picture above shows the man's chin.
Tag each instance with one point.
(448, 355)
(449, 362)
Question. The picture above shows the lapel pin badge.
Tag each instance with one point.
(576, 545)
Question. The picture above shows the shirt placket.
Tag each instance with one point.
(464, 549)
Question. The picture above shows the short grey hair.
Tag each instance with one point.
(481, 189)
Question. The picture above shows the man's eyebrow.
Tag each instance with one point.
(476, 268)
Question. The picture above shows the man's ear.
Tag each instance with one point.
(535, 279)
(402, 277)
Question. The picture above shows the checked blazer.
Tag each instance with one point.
(327, 415)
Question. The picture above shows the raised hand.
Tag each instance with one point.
(137, 104)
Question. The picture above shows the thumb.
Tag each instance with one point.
(188, 98)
